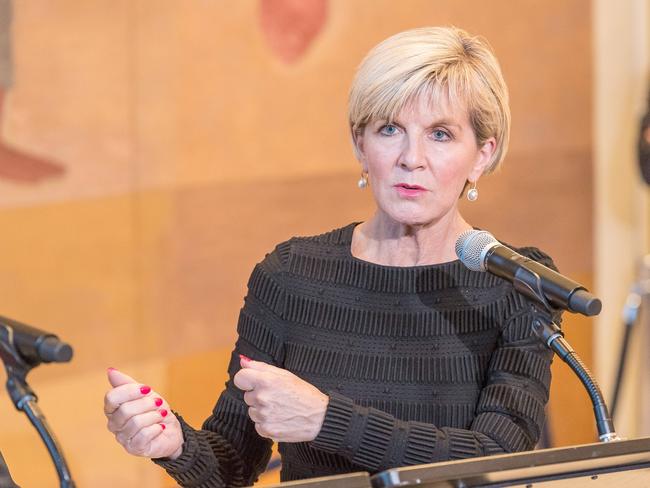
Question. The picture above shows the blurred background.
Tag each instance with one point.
(152, 151)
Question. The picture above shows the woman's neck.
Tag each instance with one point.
(381, 240)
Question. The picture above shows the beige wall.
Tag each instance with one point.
(190, 147)
(622, 205)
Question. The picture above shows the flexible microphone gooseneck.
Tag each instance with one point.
(480, 251)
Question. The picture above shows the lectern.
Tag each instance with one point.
(618, 464)
(624, 464)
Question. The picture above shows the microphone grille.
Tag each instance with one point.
(471, 246)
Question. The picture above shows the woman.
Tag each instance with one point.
(372, 346)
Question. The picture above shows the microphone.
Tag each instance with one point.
(32, 344)
(480, 251)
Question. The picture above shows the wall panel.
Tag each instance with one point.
(192, 140)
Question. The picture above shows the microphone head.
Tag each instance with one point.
(52, 350)
(471, 247)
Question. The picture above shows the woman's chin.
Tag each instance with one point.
(412, 220)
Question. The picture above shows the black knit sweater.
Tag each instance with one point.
(421, 364)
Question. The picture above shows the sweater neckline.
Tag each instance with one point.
(346, 240)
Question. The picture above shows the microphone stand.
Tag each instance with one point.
(24, 398)
(633, 304)
(551, 334)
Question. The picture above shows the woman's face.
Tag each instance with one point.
(418, 164)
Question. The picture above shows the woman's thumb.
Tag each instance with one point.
(117, 378)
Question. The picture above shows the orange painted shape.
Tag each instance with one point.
(290, 26)
(22, 167)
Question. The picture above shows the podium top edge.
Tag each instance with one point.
(350, 480)
(562, 459)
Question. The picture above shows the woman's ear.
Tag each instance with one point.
(357, 142)
(483, 160)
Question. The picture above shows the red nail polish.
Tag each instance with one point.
(145, 389)
(163, 412)
(163, 426)
(158, 402)
(244, 358)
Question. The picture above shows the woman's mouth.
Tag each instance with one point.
(408, 190)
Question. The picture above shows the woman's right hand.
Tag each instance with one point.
(140, 419)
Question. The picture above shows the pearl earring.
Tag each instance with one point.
(472, 194)
(363, 181)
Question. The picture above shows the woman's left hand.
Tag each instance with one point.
(284, 407)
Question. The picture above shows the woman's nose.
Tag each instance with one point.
(412, 156)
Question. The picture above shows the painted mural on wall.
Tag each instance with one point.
(290, 26)
(16, 164)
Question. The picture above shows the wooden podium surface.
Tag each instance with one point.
(619, 464)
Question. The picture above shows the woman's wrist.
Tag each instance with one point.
(177, 453)
(319, 417)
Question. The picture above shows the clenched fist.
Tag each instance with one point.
(284, 407)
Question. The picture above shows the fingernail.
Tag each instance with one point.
(163, 412)
(145, 389)
(163, 426)
(158, 402)
(112, 369)
(244, 358)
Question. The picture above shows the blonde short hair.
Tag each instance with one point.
(434, 61)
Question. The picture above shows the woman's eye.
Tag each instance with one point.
(440, 135)
(388, 130)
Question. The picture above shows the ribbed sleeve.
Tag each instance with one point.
(227, 451)
(336, 426)
(208, 460)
